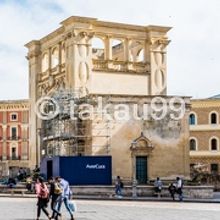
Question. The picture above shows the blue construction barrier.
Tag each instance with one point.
(79, 170)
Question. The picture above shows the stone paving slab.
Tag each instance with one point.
(25, 209)
(102, 198)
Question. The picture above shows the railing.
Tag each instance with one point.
(14, 138)
(23, 157)
(120, 66)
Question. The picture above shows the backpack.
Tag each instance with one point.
(44, 193)
(57, 189)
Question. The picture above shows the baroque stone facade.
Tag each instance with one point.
(123, 64)
(204, 134)
(14, 135)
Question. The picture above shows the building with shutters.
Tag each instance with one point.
(14, 135)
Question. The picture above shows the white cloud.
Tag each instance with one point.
(193, 67)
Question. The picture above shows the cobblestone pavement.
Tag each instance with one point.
(25, 209)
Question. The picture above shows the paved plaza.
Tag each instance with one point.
(25, 209)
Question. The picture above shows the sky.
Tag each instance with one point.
(193, 54)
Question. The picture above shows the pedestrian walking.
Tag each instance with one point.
(172, 190)
(179, 188)
(65, 197)
(43, 197)
(158, 185)
(55, 194)
(118, 187)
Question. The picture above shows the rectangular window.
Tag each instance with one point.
(14, 117)
(214, 168)
(13, 133)
(13, 153)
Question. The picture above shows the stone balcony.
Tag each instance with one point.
(120, 66)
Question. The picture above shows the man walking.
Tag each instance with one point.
(179, 188)
(55, 194)
(65, 196)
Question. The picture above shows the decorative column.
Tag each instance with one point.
(69, 53)
(49, 61)
(158, 66)
(59, 57)
(127, 52)
(83, 62)
(108, 48)
(24, 138)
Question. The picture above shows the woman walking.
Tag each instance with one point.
(43, 197)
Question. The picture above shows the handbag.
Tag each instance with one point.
(72, 206)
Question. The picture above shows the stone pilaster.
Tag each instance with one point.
(34, 70)
(4, 144)
(156, 54)
(108, 48)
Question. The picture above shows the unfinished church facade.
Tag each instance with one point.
(87, 60)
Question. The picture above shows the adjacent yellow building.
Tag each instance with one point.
(205, 134)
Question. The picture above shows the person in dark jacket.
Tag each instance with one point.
(54, 195)
(172, 190)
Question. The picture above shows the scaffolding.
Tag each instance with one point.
(67, 134)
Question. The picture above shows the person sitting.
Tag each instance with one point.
(11, 182)
(29, 183)
(158, 186)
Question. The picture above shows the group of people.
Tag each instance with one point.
(176, 187)
(58, 193)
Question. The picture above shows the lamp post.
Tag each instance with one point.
(134, 181)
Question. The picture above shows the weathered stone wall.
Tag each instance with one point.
(168, 156)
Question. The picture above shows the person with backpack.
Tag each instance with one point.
(42, 196)
(118, 187)
(55, 193)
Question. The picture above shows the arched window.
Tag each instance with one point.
(98, 49)
(45, 62)
(192, 145)
(117, 49)
(214, 144)
(192, 119)
(213, 118)
(55, 58)
(140, 55)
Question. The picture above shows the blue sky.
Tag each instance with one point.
(193, 54)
